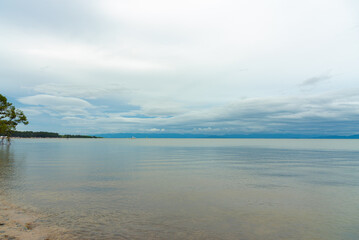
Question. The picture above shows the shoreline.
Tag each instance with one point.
(17, 223)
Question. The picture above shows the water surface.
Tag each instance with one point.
(188, 188)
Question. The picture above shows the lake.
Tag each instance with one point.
(188, 188)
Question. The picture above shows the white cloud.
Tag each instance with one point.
(91, 91)
(54, 101)
(156, 130)
(56, 106)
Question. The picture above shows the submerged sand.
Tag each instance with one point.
(19, 223)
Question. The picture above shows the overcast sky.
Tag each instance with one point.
(189, 66)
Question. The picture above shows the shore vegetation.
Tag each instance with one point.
(10, 117)
(42, 134)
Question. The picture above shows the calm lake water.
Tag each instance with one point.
(188, 188)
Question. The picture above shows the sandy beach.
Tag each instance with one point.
(19, 223)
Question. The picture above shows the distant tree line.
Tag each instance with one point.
(31, 134)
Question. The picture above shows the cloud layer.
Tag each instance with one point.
(182, 66)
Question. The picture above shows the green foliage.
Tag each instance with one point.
(10, 117)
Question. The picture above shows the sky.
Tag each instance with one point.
(199, 66)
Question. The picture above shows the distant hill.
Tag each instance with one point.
(30, 134)
(178, 135)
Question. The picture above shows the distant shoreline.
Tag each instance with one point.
(199, 136)
(294, 138)
(42, 134)
(31, 134)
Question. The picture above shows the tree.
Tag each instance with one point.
(10, 117)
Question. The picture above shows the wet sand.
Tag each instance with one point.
(17, 223)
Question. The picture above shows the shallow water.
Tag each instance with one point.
(188, 188)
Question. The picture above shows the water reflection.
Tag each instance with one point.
(189, 189)
(7, 169)
(12, 171)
